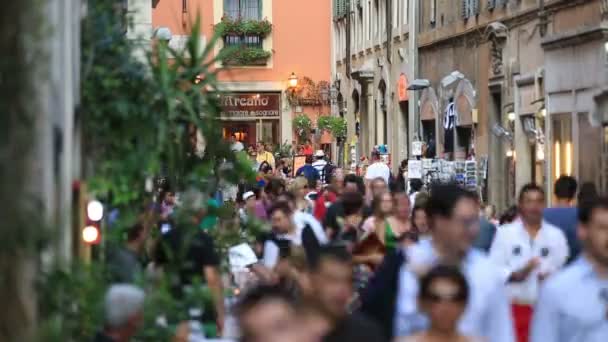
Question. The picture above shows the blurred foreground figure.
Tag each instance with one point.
(123, 313)
(453, 215)
(444, 294)
(332, 283)
(267, 314)
(573, 305)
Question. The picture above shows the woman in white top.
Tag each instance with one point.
(299, 187)
(443, 296)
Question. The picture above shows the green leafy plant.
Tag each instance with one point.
(238, 27)
(333, 124)
(303, 126)
(245, 56)
(139, 119)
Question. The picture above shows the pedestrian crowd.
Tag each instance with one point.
(350, 258)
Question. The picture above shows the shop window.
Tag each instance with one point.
(244, 9)
(562, 145)
(428, 136)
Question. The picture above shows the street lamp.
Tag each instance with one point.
(163, 34)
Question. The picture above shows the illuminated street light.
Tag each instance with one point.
(90, 234)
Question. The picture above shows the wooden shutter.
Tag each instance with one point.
(491, 4)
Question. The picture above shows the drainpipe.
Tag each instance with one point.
(413, 117)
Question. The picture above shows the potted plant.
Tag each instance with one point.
(245, 56)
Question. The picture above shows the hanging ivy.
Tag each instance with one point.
(332, 124)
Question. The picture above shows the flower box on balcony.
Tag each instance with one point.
(245, 56)
(243, 27)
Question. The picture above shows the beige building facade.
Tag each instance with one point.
(527, 79)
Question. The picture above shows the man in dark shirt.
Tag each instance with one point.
(564, 214)
(331, 277)
(191, 252)
(308, 171)
(124, 262)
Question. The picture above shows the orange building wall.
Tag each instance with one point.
(301, 37)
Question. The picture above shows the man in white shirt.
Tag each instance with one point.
(378, 169)
(454, 218)
(235, 144)
(527, 251)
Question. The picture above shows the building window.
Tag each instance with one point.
(245, 9)
(405, 13)
(368, 26)
(376, 17)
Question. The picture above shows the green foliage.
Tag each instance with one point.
(284, 150)
(240, 27)
(139, 117)
(303, 126)
(245, 56)
(333, 124)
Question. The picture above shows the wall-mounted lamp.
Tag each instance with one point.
(510, 153)
(293, 81)
(511, 116)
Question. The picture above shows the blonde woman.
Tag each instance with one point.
(299, 187)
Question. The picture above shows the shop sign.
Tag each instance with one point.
(402, 88)
(250, 105)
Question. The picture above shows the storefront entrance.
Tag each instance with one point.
(251, 117)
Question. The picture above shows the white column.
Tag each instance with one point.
(141, 31)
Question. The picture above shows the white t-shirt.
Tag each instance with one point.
(237, 146)
(378, 170)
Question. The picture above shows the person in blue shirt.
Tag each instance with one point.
(308, 171)
(573, 304)
(564, 214)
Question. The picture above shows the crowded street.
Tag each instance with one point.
(304, 171)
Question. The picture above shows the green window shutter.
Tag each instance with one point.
(335, 2)
(464, 10)
(491, 4)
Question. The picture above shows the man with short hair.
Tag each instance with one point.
(263, 155)
(124, 316)
(286, 233)
(332, 279)
(564, 215)
(308, 171)
(124, 262)
(320, 164)
(453, 215)
(528, 251)
(235, 144)
(191, 252)
(573, 304)
(266, 314)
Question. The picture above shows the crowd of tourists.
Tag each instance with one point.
(382, 258)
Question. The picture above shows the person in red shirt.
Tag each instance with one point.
(307, 149)
(329, 195)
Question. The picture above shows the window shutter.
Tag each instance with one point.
(491, 4)
(336, 8)
(465, 9)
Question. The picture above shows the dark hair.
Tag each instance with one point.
(451, 273)
(444, 198)
(280, 206)
(508, 216)
(260, 294)
(275, 186)
(289, 196)
(416, 185)
(333, 253)
(565, 187)
(350, 178)
(309, 159)
(352, 202)
(135, 231)
(530, 187)
(265, 167)
(586, 209)
(588, 193)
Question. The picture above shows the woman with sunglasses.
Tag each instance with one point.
(443, 296)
